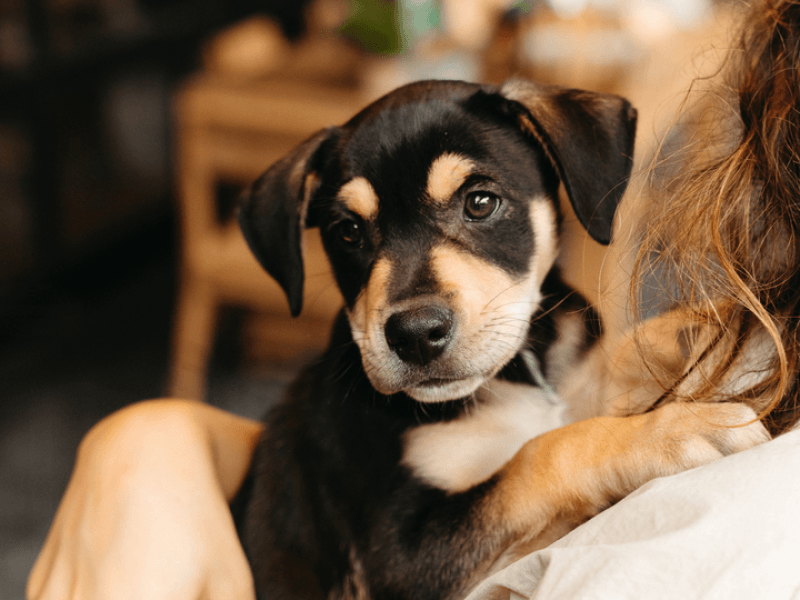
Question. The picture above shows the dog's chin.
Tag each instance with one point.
(443, 390)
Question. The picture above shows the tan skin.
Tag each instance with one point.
(149, 495)
(145, 514)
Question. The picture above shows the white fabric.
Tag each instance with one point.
(729, 530)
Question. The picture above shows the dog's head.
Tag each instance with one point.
(437, 206)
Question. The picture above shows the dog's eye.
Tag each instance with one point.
(480, 205)
(349, 232)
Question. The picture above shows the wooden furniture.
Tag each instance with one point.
(229, 131)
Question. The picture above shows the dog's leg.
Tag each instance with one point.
(591, 464)
(564, 477)
(575, 472)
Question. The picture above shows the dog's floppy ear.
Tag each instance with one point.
(589, 137)
(272, 216)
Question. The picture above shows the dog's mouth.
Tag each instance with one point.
(444, 389)
(436, 382)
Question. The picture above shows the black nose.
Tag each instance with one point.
(419, 335)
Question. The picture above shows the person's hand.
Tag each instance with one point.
(145, 514)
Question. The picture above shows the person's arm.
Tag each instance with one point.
(145, 514)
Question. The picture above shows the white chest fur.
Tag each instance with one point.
(458, 454)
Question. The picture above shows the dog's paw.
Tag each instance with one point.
(697, 433)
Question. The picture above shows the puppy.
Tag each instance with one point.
(407, 462)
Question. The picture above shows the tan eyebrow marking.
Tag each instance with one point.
(360, 197)
(447, 173)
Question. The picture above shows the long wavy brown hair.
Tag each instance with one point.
(722, 230)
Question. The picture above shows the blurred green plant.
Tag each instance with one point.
(390, 26)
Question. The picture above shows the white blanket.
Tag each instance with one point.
(729, 530)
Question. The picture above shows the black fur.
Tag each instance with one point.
(329, 509)
(588, 137)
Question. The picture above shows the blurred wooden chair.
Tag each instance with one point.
(230, 131)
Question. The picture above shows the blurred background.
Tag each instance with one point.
(129, 127)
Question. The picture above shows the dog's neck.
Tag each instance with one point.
(562, 330)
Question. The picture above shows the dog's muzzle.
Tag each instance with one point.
(420, 335)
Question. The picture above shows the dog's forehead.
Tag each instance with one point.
(407, 166)
(420, 144)
(395, 144)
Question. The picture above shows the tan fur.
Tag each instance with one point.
(366, 323)
(564, 477)
(370, 302)
(671, 356)
(578, 470)
(492, 311)
(456, 455)
(543, 221)
(483, 295)
(359, 196)
(446, 175)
